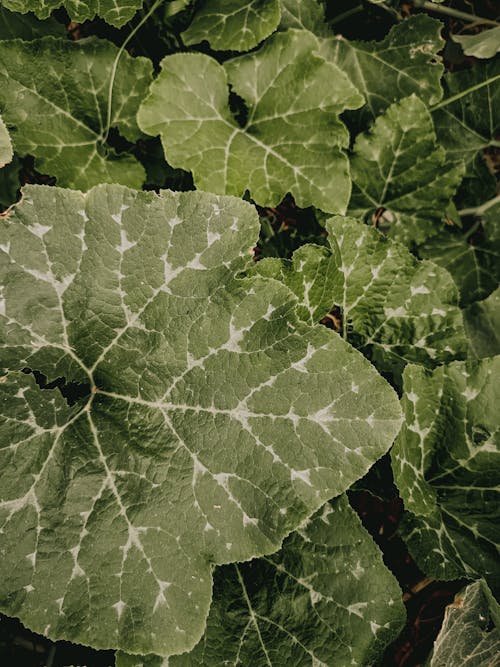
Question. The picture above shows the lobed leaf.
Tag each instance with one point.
(234, 25)
(54, 95)
(292, 139)
(392, 307)
(446, 463)
(401, 178)
(190, 441)
(326, 599)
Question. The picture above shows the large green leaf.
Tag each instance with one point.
(482, 324)
(292, 139)
(212, 422)
(6, 153)
(472, 256)
(325, 600)
(470, 122)
(446, 463)
(470, 635)
(304, 15)
(401, 177)
(54, 96)
(405, 62)
(27, 26)
(116, 12)
(389, 305)
(233, 25)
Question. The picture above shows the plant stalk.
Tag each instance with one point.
(479, 210)
(449, 11)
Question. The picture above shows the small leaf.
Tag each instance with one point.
(482, 324)
(211, 421)
(304, 15)
(466, 637)
(6, 153)
(65, 85)
(401, 179)
(326, 599)
(392, 307)
(446, 462)
(116, 12)
(485, 44)
(405, 62)
(233, 25)
(292, 139)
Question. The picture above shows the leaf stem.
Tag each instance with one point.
(346, 14)
(479, 210)
(449, 11)
(122, 48)
(462, 93)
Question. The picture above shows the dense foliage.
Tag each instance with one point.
(250, 267)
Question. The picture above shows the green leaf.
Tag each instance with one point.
(482, 324)
(326, 599)
(472, 257)
(27, 26)
(6, 153)
(292, 140)
(116, 12)
(392, 307)
(400, 175)
(466, 637)
(405, 62)
(54, 95)
(233, 25)
(210, 424)
(446, 463)
(304, 15)
(468, 119)
(485, 44)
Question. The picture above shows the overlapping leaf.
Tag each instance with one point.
(5, 145)
(467, 637)
(292, 139)
(401, 177)
(326, 599)
(446, 463)
(116, 12)
(387, 304)
(471, 122)
(54, 95)
(472, 257)
(237, 25)
(485, 44)
(406, 62)
(212, 421)
(27, 26)
(482, 324)
(304, 15)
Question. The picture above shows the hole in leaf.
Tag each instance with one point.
(70, 391)
(238, 108)
(333, 319)
(479, 435)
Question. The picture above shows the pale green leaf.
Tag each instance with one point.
(325, 600)
(472, 258)
(405, 62)
(482, 324)
(214, 421)
(27, 26)
(6, 153)
(391, 306)
(467, 637)
(54, 96)
(116, 12)
(233, 25)
(401, 177)
(304, 15)
(292, 140)
(485, 44)
(446, 463)
(470, 122)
